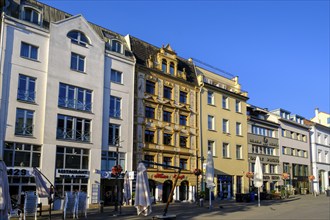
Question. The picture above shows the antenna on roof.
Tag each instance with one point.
(213, 67)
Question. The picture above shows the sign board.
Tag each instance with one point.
(108, 175)
(131, 175)
(95, 193)
(20, 171)
(72, 173)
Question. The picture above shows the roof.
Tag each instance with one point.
(51, 14)
(143, 50)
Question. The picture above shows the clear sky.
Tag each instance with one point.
(278, 49)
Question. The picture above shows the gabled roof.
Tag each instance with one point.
(143, 50)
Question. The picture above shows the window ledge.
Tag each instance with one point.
(74, 141)
(77, 110)
(213, 130)
(78, 71)
(25, 136)
(227, 158)
(210, 104)
(27, 102)
(31, 59)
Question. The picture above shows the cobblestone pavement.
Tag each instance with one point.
(295, 207)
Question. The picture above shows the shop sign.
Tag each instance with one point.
(20, 171)
(180, 176)
(72, 173)
(160, 175)
(109, 175)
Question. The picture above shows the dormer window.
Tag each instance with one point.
(172, 68)
(78, 37)
(31, 15)
(164, 66)
(116, 46)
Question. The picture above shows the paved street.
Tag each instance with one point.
(296, 207)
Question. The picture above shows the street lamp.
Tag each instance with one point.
(117, 173)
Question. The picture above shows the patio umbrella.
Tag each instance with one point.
(228, 195)
(142, 192)
(209, 176)
(5, 202)
(258, 177)
(127, 189)
(42, 189)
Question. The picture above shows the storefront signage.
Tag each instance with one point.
(160, 175)
(180, 176)
(19, 171)
(275, 177)
(264, 141)
(273, 160)
(72, 173)
(109, 175)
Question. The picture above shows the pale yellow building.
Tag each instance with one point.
(166, 116)
(322, 118)
(223, 131)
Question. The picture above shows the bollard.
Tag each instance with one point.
(101, 206)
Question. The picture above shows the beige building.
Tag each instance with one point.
(322, 118)
(223, 131)
(166, 129)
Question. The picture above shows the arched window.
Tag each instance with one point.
(78, 37)
(164, 66)
(172, 68)
(31, 15)
(116, 46)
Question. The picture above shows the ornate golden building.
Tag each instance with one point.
(166, 130)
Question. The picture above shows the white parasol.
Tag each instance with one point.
(142, 192)
(5, 202)
(258, 177)
(209, 176)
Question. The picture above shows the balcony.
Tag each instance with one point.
(25, 95)
(73, 135)
(74, 104)
(24, 129)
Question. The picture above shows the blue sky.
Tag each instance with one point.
(278, 49)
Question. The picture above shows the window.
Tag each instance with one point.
(149, 136)
(116, 46)
(210, 98)
(283, 133)
(149, 158)
(184, 164)
(225, 102)
(319, 153)
(172, 68)
(167, 92)
(183, 97)
(164, 66)
(210, 122)
(239, 152)
(225, 150)
(114, 134)
(150, 112)
(238, 106)
(238, 128)
(183, 141)
(326, 154)
(211, 147)
(225, 126)
(21, 155)
(73, 128)
(183, 120)
(24, 122)
(109, 158)
(326, 140)
(115, 107)
(77, 62)
(116, 76)
(26, 88)
(31, 15)
(29, 51)
(75, 97)
(71, 158)
(78, 37)
(150, 87)
(167, 161)
(167, 139)
(167, 116)
(319, 138)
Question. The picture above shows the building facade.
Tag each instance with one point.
(295, 157)
(263, 142)
(320, 154)
(166, 129)
(223, 126)
(59, 74)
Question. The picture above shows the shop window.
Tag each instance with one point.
(21, 155)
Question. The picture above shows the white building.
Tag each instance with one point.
(294, 145)
(320, 154)
(66, 100)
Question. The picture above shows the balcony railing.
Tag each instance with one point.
(74, 135)
(74, 104)
(24, 129)
(25, 95)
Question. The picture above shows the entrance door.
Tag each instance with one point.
(184, 191)
(167, 187)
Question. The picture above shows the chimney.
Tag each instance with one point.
(316, 112)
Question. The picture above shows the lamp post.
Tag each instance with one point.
(118, 171)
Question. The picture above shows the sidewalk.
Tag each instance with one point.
(295, 207)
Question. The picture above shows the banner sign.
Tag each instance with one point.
(72, 173)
